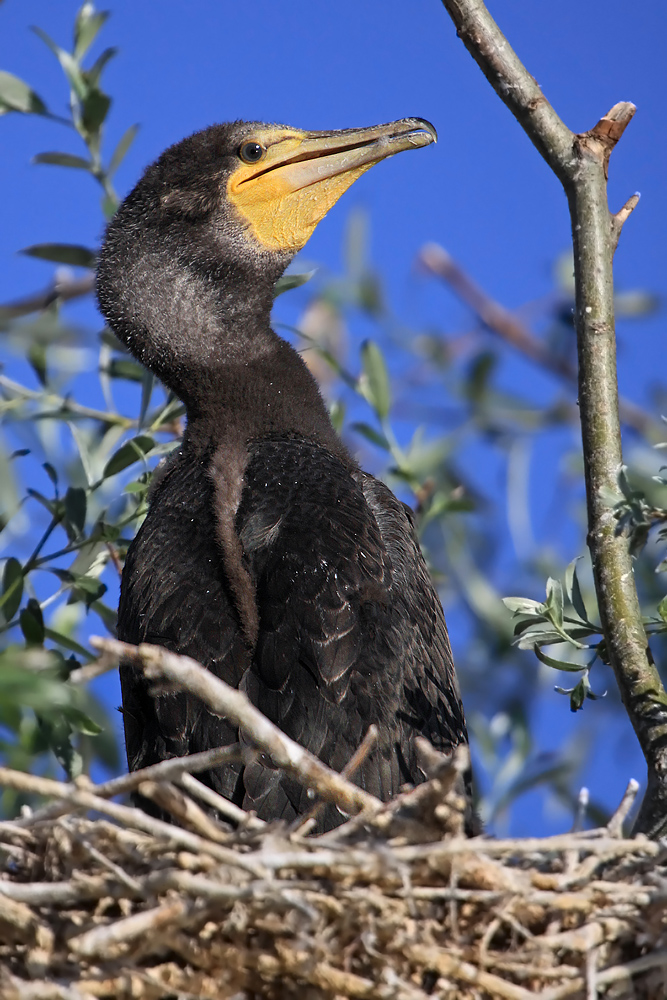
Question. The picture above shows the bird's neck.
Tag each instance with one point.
(204, 330)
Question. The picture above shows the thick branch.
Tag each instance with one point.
(511, 81)
(581, 163)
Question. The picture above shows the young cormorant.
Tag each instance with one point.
(267, 554)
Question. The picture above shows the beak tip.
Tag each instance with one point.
(430, 128)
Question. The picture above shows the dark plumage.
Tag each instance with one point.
(267, 554)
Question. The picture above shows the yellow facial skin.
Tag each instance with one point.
(301, 175)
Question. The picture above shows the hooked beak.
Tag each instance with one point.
(301, 175)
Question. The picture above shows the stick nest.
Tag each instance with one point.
(395, 904)
(127, 906)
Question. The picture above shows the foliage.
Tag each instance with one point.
(431, 411)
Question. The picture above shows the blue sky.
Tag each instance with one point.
(483, 191)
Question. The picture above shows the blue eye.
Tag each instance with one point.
(251, 152)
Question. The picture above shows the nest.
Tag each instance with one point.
(99, 899)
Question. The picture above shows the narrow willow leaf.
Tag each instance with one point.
(15, 95)
(80, 722)
(375, 385)
(550, 661)
(109, 206)
(125, 368)
(290, 281)
(554, 601)
(63, 160)
(147, 384)
(51, 473)
(129, 453)
(573, 590)
(76, 504)
(121, 149)
(58, 733)
(12, 588)
(375, 437)
(69, 65)
(62, 253)
(94, 109)
(67, 643)
(94, 73)
(523, 605)
(86, 26)
(37, 358)
(32, 623)
(84, 454)
(578, 696)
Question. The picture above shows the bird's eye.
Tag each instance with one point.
(251, 152)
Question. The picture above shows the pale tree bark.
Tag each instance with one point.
(581, 162)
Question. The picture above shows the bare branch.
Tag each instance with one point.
(615, 824)
(620, 217)
(64, 287)
(581, 163)
(506, 325)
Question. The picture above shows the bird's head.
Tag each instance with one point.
(187, 270)
(272, 182)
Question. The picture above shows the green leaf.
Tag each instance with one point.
(80, 722)
(62, 253)
(578, 696)
(121, 149)
(337, 415)
(37, 358)
(64, 640)
(82, 448)
(93, 74)
(374, 383)
(523, 605)
(368, 432)
(662, 609)
(15, 95)
(109, 204)
(573, 590)
(75, 508)
(138, 486)
(63, 160)
(545, 635)
(125, 368)
(573, 668)
(554, 602)
(86, 26)
(290, 281)
(87, 589)
(94, 109)
(70, 67)
(58, 735)
(147, 384)
(12, 588)
(129, 453)
(40, 498)
(51, 473)
(32, 623)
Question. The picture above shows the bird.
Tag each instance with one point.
(267, 553)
